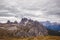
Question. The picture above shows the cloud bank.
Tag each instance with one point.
(40, 10)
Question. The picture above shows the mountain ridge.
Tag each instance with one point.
(26, 28)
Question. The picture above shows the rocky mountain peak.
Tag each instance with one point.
(26, 28)
(33, 28)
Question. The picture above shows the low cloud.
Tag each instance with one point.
(37, 9)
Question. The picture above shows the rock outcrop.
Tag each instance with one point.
(26, 28)
(29, 28)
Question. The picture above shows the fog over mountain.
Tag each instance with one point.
(40, 10)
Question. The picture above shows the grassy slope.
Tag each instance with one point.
(32, 38)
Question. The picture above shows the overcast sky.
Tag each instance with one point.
(41, 10)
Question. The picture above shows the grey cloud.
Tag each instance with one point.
(5, 14)
(48, 7)
(53, 8)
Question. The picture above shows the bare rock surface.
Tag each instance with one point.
(26, 28)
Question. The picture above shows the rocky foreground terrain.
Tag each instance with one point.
(26, 28)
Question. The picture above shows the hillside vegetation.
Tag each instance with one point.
(32, 38)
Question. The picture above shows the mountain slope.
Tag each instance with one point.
(26, 28)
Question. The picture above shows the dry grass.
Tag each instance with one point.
(32, 38)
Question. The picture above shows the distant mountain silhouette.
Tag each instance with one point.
(53, 33)
(52, 26)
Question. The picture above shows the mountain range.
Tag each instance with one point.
(26, 28)
(52, 26)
